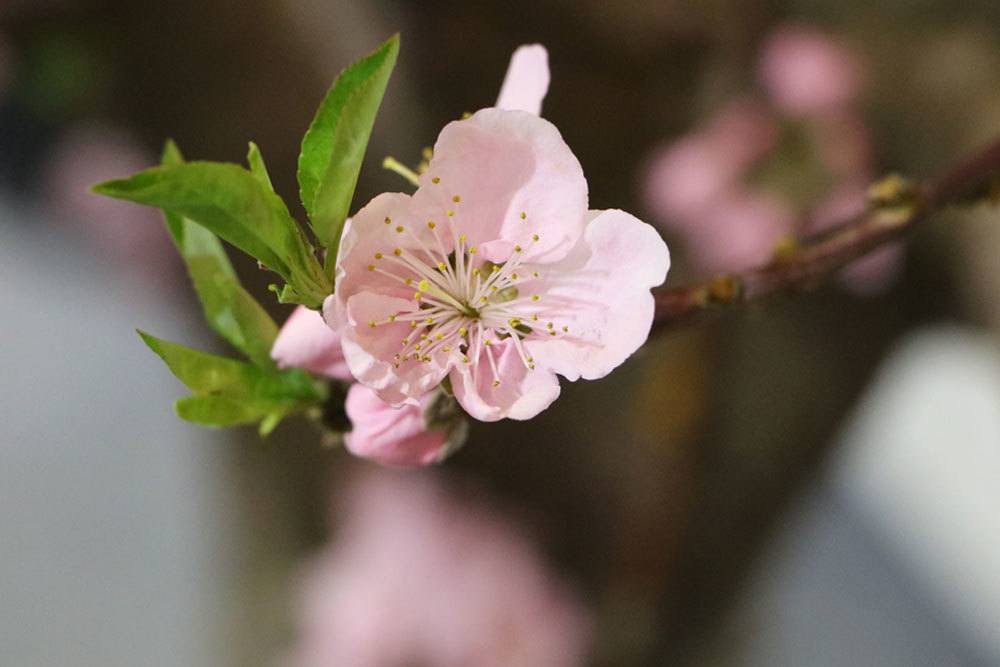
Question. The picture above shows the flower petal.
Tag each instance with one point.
(394, 436)
(368, 235)
(522, 393)
(608, 278)
(306, 341)
(369, 351)
(507, 175)
(527, 80)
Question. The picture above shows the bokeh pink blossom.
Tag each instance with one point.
(790, 161)
(419, 574)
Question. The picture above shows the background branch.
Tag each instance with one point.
(895, 207)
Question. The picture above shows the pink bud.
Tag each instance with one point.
(305, 341)
(396, 436)
(806, 73)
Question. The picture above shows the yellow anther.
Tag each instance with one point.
(431, 224)
(517, 248)
(463, 331)
(405, 342)
(465, 359)
(378, 255)
(549, 325)
(392, 318)
(473, 250)
(476, 271)
(483, 299)
(565, 329)
(408, 282)
(439, 336)
(535, 297)
(496, 383)
(487, 342)
(552, 333)
(436, 180)
(495, 269)
(424, 336)
(534, 274)
(372, 324)
(446, 348)
(493, 288)
(418, 346)
(534, 318)
(534, 237)
(451, 213)
(530, 359)
(513, 276)
(423, 285)
(397, 252)
(371, 267)
(399, 229)
(388, 220)
(442, 266)
(413, 324)
(426, 358)
(429, 320)
(417, 296)
(427, 153)
(524, 215)
(456, 199)
(462, 238)
(531, 367)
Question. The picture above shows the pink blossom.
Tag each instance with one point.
(807, 73)
(305, 341)
(89, 153)
(398, 436)
(689, 175)
(493, 274)
(527, 80)
(419, 575)
(740, 231)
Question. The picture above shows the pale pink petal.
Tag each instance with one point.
(607, 281)
(806, 72)
(527, 80)
(506, 175)
(306, 341)
(521, 394)
(366, 235)
(393, 436)
(370, 352)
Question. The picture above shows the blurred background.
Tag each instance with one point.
(811, 481)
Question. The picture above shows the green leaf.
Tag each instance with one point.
(334, 146)
(228, 391)
(229, 309)
(257, 168)
(217, 411)
(231, 202)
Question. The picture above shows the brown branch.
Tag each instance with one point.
(895, 208)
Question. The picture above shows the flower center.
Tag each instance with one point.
(465, 306)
